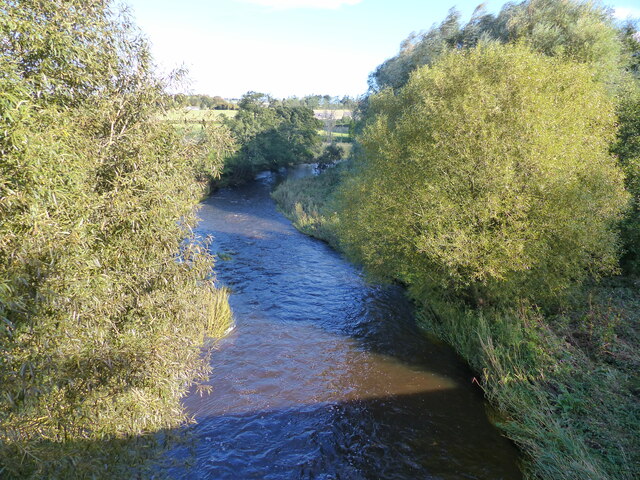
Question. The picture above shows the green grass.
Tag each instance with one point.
(197, 116)
(304, 202)
(335, 135)
(565, 384)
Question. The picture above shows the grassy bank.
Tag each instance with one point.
(565, 384)
(307, 203)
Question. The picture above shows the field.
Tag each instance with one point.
(190, 122)
(197, 116)
(323, 114)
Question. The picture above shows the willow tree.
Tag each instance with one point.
(580, 31)
(104, 300)
(488, 176)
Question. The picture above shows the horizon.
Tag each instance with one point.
(236, 46)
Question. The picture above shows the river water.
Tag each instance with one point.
(326, 376)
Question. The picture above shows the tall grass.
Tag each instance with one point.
(306, 202)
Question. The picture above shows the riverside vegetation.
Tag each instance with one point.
(496, 176)
(271, 135)
(105, 295)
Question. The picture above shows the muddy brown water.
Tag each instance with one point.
(326, 376)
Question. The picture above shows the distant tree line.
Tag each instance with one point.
(322, 102)
(317, 102)
(203, 102)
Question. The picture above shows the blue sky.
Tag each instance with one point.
(290, 47)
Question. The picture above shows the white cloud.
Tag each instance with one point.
(622, 13)
(284, 4)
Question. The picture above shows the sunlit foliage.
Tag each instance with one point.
(488, 177)
(580, 31)
(104, 296)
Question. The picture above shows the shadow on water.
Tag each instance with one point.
(325, 376)
(356, 439)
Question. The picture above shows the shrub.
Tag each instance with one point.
(487, 177)
(104, 296)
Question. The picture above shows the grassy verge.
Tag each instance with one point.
(305, 201)
(565, 384)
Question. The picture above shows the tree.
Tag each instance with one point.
(487, 177)
(627, 148)
(271, 135)
(331, 154)
(97, 315)
(580, 31)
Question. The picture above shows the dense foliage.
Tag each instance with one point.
(486, 185)
(271, 135)
(627, 148)
(488, 176)
(580, 31)
(103, 303)
(331, 154)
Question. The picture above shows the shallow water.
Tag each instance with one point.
(326, 376)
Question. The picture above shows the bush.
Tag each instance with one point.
(488, 177)
(330, 155)
(105, 298)
(271, 135)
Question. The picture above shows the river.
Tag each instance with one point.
(326, 376)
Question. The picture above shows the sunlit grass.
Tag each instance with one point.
(178, 115)
(219, 315)
(305, 202)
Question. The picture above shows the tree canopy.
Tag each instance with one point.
(100, 325)
(580, 31)
(271, 135)
(487, 176)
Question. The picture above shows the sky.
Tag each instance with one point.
(290, 47)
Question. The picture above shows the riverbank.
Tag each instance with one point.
(565, 383)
